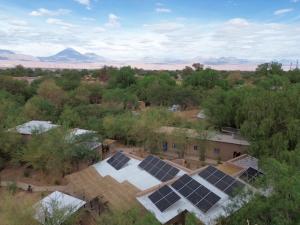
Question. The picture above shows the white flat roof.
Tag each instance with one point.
(78, 132)
(35, 126)
(60, 202)
(131, 172)
(183, 204)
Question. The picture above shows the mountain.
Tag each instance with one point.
(6, 52)
(12, 56)
(71, 55)
(224, 60)
(94, 57)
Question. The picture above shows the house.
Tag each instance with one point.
(117, 180)
(34, 127)
(93, 142)
(189, 144)
(165, 189)
(57, 207)
(205, 192)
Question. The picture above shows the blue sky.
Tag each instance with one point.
(163, 29)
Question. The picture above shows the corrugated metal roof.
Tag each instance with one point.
(35, 126)
(208, 135)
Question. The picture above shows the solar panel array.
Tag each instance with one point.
(158, 168)
(164, 197)
(196, 193)
(250, 175)
(118, 160)
(221, 180)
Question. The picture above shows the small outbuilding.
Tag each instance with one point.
(57, 207)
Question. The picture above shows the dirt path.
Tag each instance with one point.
(35, 188)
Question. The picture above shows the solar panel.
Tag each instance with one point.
(196, 193)
(118, 160)
(250, 175)
(163, 198)
(221, 180)
(158, 168)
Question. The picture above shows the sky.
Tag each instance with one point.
(147, 29)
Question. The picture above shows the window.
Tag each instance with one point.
(216, 151)
(165, 146)
(195, 147)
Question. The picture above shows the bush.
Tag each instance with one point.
(57, 182)
(12, 187)
(2, 164)
(26, 173)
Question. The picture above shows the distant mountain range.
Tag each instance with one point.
(70, 55)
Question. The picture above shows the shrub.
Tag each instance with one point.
(12, 187)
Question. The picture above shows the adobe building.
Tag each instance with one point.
(191, 145)
(165, 189)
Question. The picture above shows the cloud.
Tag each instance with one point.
(99, 29)
(47, 12)
(164, 27)
(239, 22)
(54, 21)
(88, 19)
(113, 21)
(295, 1)
(163, 10)
(86, 3)
(173, 38)
(283, 11)
(20, 23)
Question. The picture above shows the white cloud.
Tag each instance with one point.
(99, 29)
(18, 22)
(47, 12)
(283, 11)
(113, 21)
(86, 3)
(164, 27)
(163, 10)
(239, 22)
(159, 4)
(88, 19)
(177, 38)
(54, 21)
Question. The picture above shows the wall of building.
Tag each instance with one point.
(213, 150)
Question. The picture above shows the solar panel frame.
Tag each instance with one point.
(118, 160)
(250, 175)
(163, 198)
(158, 168)
(145, 161)
(222, 181)
(196, 193)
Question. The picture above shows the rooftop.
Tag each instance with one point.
(77, 132)
(183, 204)
(57, 201)
(131, 173)
(209, 135)
(35, 126)
(245, 161)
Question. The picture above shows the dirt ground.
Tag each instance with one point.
(16, 173)
(190, 115)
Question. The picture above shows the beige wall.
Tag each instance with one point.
(213, 150)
